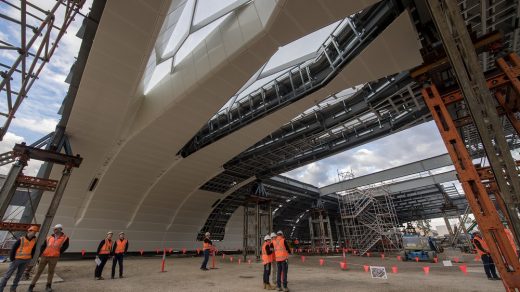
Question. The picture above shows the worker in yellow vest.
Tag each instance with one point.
(267, 259)
(20, 255)
(119, 250)
(51, 249)
(207, 248)
(483, 251)
(104, 251)
(281, 253)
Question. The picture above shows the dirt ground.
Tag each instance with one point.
(183, 274)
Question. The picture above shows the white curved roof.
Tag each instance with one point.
(129, 138)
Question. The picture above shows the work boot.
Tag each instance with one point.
(286, 289)
(48, 288)
(279, 288)
(265, 286)
(30, 289)
(269, 287)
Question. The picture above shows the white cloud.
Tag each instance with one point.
(407, 146)
(43, 126)
(7, 145)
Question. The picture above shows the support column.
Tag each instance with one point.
(463, 58)
(9, 188)
(481, 205)
(448, 225)
(245, 232)
(257, 232)
(51, 212)
(311, 230)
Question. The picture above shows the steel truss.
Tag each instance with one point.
(481, 110)
(337, 51)
(40, 34)
(16, 179)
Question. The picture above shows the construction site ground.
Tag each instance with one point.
(183, 274)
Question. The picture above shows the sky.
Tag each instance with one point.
(38, 115)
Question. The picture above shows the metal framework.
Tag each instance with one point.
(337, 51)
(369, 220)
(320, 228)
(16, 179)
(258, 222)
(40, 34)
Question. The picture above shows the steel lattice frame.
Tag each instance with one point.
(34, 49)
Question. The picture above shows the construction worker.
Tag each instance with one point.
(119, 250)
(207, 247)
(483, 251)
(267, 259)
(104, 251)
(273, 263)
(281, 252)
(51, 249)
(20, 255)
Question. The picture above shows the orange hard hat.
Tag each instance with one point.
(34, 228)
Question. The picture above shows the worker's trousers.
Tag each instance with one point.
(17, 266)
(281, 273)
(118, 258)
(52, 262)
(99, 268)
(489, 266)
(206, 259)
(267, 271)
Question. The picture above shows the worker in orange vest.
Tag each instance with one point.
(267, 259)
(104, 251)
(20, 255)
(483, 251)
(281, 252)
(51, 249)
(119, 249)
(207, 248)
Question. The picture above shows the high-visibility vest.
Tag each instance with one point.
(120, 246)
(279, 249)
(25, 249)
(266, 258)
(483, 244)
(206, 245)
(53, 246)
(106, 248)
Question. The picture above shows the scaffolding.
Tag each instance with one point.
(369, 220)
(258, 220)
(320, 228)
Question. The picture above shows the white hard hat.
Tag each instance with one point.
(110, 232)
(267, 237)
(207, 234)
(58, 226)
(279, 232)
(273, 234)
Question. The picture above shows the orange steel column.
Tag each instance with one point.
(481, 205)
